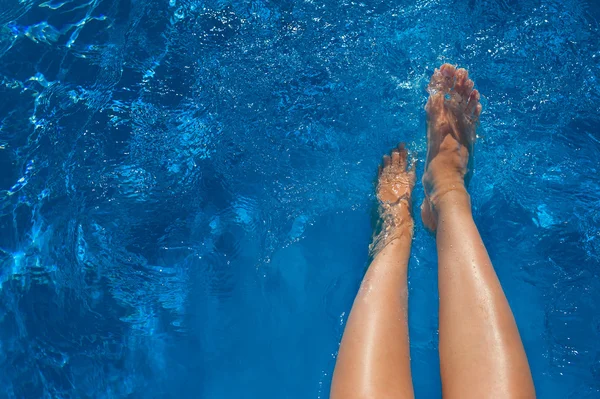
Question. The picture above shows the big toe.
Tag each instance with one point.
(442, 79)
(448, 70)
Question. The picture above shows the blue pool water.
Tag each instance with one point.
(186, 187)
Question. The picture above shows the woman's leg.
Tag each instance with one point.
(481, 354)
(374, 356)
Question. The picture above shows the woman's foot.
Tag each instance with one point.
(394, 188)
(453, 112)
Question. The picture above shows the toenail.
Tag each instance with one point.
(446, 72)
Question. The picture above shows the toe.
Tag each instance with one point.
(442, 79)
(386, 161)
(448, 70)
(403, 153)
(473, 103)
(461, 77)
(395, 157)
(477, 111)
(463, 85)
(469, 86)
(412, 172)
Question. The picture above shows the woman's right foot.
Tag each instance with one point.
(453, 111)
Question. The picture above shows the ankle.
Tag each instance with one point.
(437, 185)
(455, 198)
(396, 224)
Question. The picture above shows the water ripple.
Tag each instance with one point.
(168, 170)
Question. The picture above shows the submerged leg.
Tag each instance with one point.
(481, 353)
(374, 356)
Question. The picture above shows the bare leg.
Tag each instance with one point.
(374, 356)
(481, 354)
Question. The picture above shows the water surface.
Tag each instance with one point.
(186, 187)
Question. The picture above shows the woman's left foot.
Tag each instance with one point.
(394, 188)
(396, 178)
